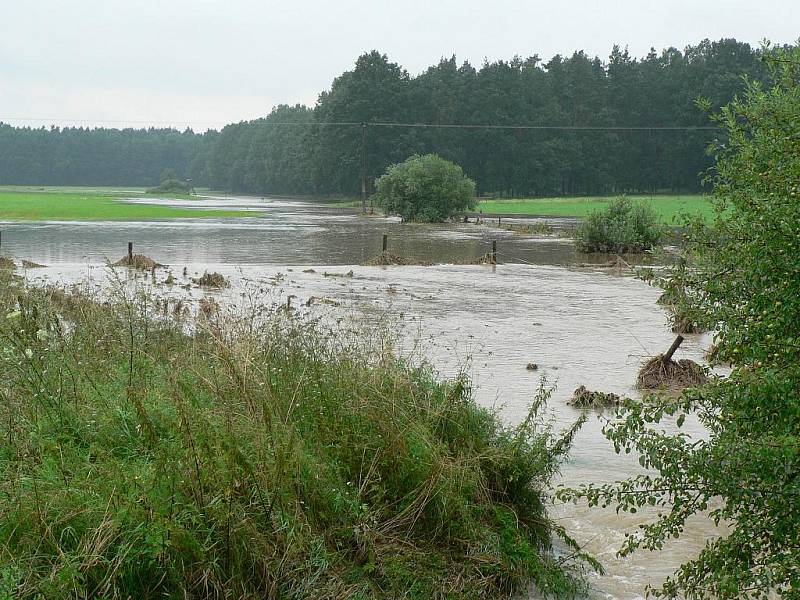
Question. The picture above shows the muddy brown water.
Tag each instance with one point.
(284, 233)
(582, 326)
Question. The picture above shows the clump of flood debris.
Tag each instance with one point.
(317, 300)
(585, 398)
(29, 264)
(617, 263)
(212, 280)
(208, 307)
(682, 323)
(138, 261)
(486, 259)
(540, 228)
(661, 373)
(7, 264)
(386, 259)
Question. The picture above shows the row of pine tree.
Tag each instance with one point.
(298, 150)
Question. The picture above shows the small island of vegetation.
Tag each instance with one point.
(425, 188)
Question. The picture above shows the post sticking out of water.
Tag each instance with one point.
(385, 242)
(678, 341)
(130, 252)
(1, 240)
(363, 168)
(494, 252)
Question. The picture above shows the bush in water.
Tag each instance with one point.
(621, 227)
(425, 188)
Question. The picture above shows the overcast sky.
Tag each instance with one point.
(205, 63)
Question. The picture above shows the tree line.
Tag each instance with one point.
(85, 156)
(299, 150)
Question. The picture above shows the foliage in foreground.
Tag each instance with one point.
(621, 227)
(253, 460)
(742, 274)
(425, 188)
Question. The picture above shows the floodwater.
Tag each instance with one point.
(284, 233)
(582, 326)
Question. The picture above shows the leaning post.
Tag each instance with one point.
(678, 341)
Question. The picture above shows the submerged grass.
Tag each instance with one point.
(253, 458)
(92, 206)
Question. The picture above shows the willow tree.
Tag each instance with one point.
(425, 188)
(741, 275)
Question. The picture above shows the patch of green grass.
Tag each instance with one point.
(92, 206)
(345, 203)
(668, 208)
(254, 458)
(75, 189)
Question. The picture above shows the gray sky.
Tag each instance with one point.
(209, 62)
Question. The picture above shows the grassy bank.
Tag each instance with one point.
(91, 205)
(252, 459)
(668, 208)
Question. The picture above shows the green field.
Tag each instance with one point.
(669, 208)
(91, 204)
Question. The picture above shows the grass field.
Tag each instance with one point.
(669, 208)
(90, 204)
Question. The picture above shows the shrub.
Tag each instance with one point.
(253, 459)
(425, 188)
(171, 186)
(623, 226)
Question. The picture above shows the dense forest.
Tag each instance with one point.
(302, 150)
(79, 156)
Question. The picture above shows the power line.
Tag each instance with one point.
(551, 127)
(404, 125)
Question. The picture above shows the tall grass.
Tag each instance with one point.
(254, 458)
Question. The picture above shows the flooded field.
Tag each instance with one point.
(581, 325)
(284, 233)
